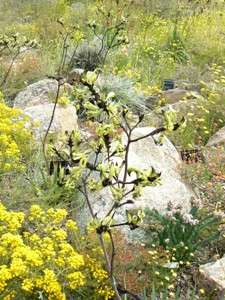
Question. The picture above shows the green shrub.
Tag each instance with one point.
(124, 89)
(183, 234)
(87, 56)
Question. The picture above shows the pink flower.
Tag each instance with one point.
(188, 218)
(124, 50)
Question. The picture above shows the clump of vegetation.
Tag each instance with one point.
(37, 257)
(124, 90)
(182, 234)
(15, 139)
(87, 56)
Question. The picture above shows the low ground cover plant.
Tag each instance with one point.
(37, 259)
(15, 138)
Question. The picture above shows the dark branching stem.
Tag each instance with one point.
(94, 165)
(10, 67)
(119, 225)
(59, 84)
(117, 28)
(70, 64)
(115, 205)
(105, 252)
(126, 158)
(51, 120)
(85, 193)
(109, 262)
(154, 132)
(113, 253)
(92, 90)
(122, 290)
(129, 141)
(84, 189)
(59, 154)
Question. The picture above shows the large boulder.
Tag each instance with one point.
(41, 92)
(173, 95)
(218, 138)
(165, 159)
(65, 118)
(213, 275)
(215, 147)
(36, 101)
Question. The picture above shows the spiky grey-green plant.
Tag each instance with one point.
(124, 90)
(88, 56)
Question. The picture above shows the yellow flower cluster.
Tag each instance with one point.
(64, 100)
(40, 259)
(102, 278)
(15, 140)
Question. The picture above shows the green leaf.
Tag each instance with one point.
(133, 169)
(170, 117)
(110, 96)
(111, 171)
(107, 221)
(153, 296)
(96, 221)
(90, 106)
(91, 77)
(129, 218)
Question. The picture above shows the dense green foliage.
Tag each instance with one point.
(181, 233)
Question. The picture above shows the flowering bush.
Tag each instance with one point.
(209, 177)
(142, 267)
(36, 259)
(15, 140)
(182, 234)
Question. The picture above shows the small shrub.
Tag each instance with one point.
(87, 56)
(36, 258)
(15, 138)
(183, 234)
(124, 89)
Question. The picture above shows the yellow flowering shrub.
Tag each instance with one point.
(37, 259)
(15, 139)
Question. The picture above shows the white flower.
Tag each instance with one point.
(188, 218)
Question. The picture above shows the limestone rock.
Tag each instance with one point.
(165, 159)
(43, 91)
(214, 274)
(218, 138)
(36, 101)
(65, 118)
(191, 87)
(215, 147)
(175, 95)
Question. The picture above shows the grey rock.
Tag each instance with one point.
(36, 101)
(40, 92)
(175, 95)
(65, 118)
(218, 138)
(214, 274)
(191, 87)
